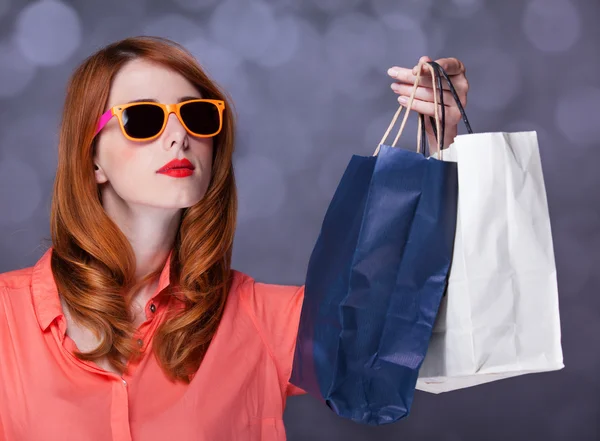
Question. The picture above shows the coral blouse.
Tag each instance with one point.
(239, 392)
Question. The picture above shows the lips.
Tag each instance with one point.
(176, 164)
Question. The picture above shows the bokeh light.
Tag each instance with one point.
(551, 25)
(48, 32)
(573, 111)
(310, 89)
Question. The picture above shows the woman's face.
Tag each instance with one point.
(127, 171)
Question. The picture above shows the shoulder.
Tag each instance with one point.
(274, 309)
(265, 299)
(15, 294)
(13, 285)
(15, 280)
(275, 312)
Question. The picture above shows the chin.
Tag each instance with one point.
(189, 201)
(177, 199)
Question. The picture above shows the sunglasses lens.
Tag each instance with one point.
(143, 120)
(201, 117)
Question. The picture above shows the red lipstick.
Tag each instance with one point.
(177, 168)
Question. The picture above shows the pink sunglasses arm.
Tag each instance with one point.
(105, 118)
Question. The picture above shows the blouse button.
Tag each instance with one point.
(140, 342)
(152, 308)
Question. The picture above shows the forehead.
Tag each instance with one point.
(141, 79)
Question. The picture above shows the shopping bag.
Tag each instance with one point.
(500, 317)
(374, 282)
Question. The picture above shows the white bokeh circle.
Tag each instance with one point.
(20, 192)
(261, 187)
(48, 32)
(552, 25)
(573, 115)
(16, 71)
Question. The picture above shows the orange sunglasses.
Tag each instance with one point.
(145, 121)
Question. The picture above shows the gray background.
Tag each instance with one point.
(309, 82)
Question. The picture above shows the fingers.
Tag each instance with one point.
(452, 66)
(427, 108)
(425, 94)
(423, 102)
(406, 76)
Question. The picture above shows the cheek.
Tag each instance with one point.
(204, 152)
(201, 150)
(125, 162)
(121, 157)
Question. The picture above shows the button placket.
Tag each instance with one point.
(121, 429)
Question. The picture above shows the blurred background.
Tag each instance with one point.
(309, 83)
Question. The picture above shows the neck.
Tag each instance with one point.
(151, 231)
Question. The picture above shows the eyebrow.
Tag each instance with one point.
(183, 98)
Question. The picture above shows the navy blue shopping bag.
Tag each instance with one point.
(374, 283)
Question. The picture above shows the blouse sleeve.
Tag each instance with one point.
(277, 309)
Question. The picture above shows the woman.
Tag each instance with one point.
(133, 325)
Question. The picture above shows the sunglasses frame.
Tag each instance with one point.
(167, 110)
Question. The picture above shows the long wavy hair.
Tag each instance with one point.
(92, 261)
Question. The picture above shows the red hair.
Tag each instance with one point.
(92, 261)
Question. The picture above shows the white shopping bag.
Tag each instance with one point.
(500, 316)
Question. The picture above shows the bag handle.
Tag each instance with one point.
(422, 136)
(438, 123)
(442, 73)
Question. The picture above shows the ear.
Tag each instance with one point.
(100, 175)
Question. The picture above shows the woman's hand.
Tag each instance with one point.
(423, 102)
